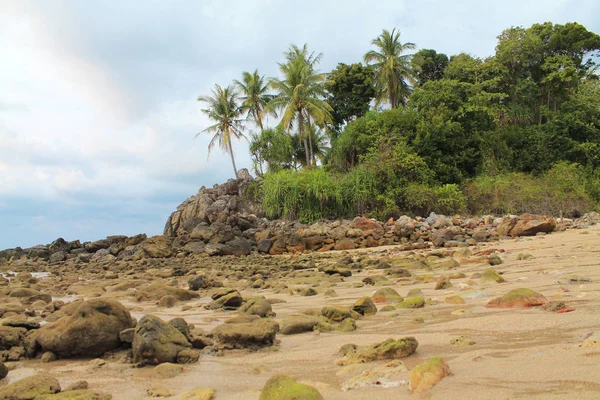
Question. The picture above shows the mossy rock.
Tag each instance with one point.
(462, 341)
(454, 300)
(250, 335)
(157, 290)
(156, 342)
(32, 387)
(257, 306)
(167, 370)
(298, 324)
(387, 295)
(389, 349)
(347, 325)
(524, 256)
(230, 301)
(412, 302)
(490, 275)
(281, 387)
(448, 264)
(365, 306)
(414, 292)
(425, 376)
(443, 284)
(518, 298)
(339, 313)
(494, 259)
(387, 308)
(330, 293)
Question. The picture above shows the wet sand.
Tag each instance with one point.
(519, 353)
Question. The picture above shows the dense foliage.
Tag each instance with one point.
(515, 132)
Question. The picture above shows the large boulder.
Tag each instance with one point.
(156, 342)
(11, 336)
(404, 226)
(158, 290)
(157, 247)
(90, 331)
(518, 298)
(237, 247)
(530, 225)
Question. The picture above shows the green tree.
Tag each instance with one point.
(393, 70)
(429, 65)
(223, 107)
(300, 94)
(255, 97)
(350, 91)
(273, 147)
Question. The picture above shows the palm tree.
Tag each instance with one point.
(254, 96)
(300, 94)
(223, 108)
(392, 68)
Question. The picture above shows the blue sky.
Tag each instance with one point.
(98, 98)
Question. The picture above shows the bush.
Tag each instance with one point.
(563, 188)
(422, 199)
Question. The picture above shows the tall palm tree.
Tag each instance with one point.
(224, 109)
(300, 93)
(254, 88)
(393, 71)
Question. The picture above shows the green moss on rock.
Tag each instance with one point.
(281, 387)
(412, 302)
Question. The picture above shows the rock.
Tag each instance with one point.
(386, 295)
(194, 247)
(77, 395)
(530, 225)
(339, 313)
(281, 387)
(441, 236)
(330, 293)
(490, 275)
(247, 335)
(347, 325)
(156, 342)
(412, 302)
(298, 324)
(126, 335)
(264, 246)
(308, 292)
(91, 330)
(30, 388)
(507, 224)
(462, 341)
(157, 247)
(48, 356)
(157, 290)
(167, 301)
(387, 350)
(167, 370)
(365, 306)
(443, 284)
(188, 356)
(237, 247)
(425, 376)
(10, 337)
(494, 259)
(230, 301)
(257, 306)
(198, 394)
(454, 300)
(160, 391)
(345, 244)
(404, 227)
(200, 282)
(332, 270)
(59, 256)
(3, 370)
(518, 298)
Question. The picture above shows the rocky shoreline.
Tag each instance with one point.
(223, 221)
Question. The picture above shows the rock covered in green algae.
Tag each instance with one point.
(462, 341)
(339, 313)
(365, 306)
(156, 342)
(257, 306)
(412, 302)
(77, 395)
(518, 298)
(298, 324)
(91, 330)
(387, 295)
(32, 387)
(281, 387)
(387, 350)
(490, 275)
(347, 325)
(425, 376)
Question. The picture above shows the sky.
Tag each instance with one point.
(98, 105)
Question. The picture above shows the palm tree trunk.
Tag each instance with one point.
(233, 160)
(310, 143)
(301, 132)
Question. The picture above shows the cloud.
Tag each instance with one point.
(98, 102)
